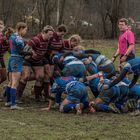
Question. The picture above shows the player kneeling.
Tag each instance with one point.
(76, 98)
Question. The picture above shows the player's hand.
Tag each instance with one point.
(113, 59)
(123, 59)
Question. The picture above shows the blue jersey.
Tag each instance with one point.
(61, 83)
(83, 52)
(100, 59)
(16, 44)
(68, 59)
(91, 68)
(74, 68)
(116, 94)
(93, 84)
(133, 66)
(135, 90)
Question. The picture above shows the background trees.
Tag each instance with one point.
(89, 18)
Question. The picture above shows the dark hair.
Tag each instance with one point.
(8, 31)
(123, 20)
(21, 25)
(47, 28)
(62, 28)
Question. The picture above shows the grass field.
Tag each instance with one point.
(32, 124)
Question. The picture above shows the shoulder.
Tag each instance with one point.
(66, 42)
(129, 33)
(17, 38)
(35, 40)
(127, 66)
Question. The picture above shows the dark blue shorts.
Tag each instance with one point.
(77, 93)
(15, 64)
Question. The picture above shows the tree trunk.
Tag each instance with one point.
(62, 12)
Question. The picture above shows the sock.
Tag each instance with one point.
(69, 107)
(13, 96)
(119, 106)
(86, 105)
(20, 89)
(103, 107)
(7, 91)
(38, 91)
(46, 86)
(58, 97)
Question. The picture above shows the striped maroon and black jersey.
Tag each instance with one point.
(67, 45)
(39, 46)
(4, 45)
(56, 43)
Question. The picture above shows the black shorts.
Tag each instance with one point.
(45, 61)
(31, 62)
(49, 58)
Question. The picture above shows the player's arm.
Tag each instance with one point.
(27, 50)
(51, 102)
(92, 52)
(30, 47)
(88, 78)
(116, 54)
(118, 79)
(134, 80)
(131, 42)
(130, 49)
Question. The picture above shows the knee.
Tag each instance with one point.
(46, 77)
(40, 77)
(14, 84)
(26, 78)
(98, 101)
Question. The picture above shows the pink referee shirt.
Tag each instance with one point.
(125, 39)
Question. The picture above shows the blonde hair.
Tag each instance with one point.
(76, 37)
(79, 47)
(47, 28)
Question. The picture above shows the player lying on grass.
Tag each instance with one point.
(75, 90)
(132, 66)
(116, 99)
